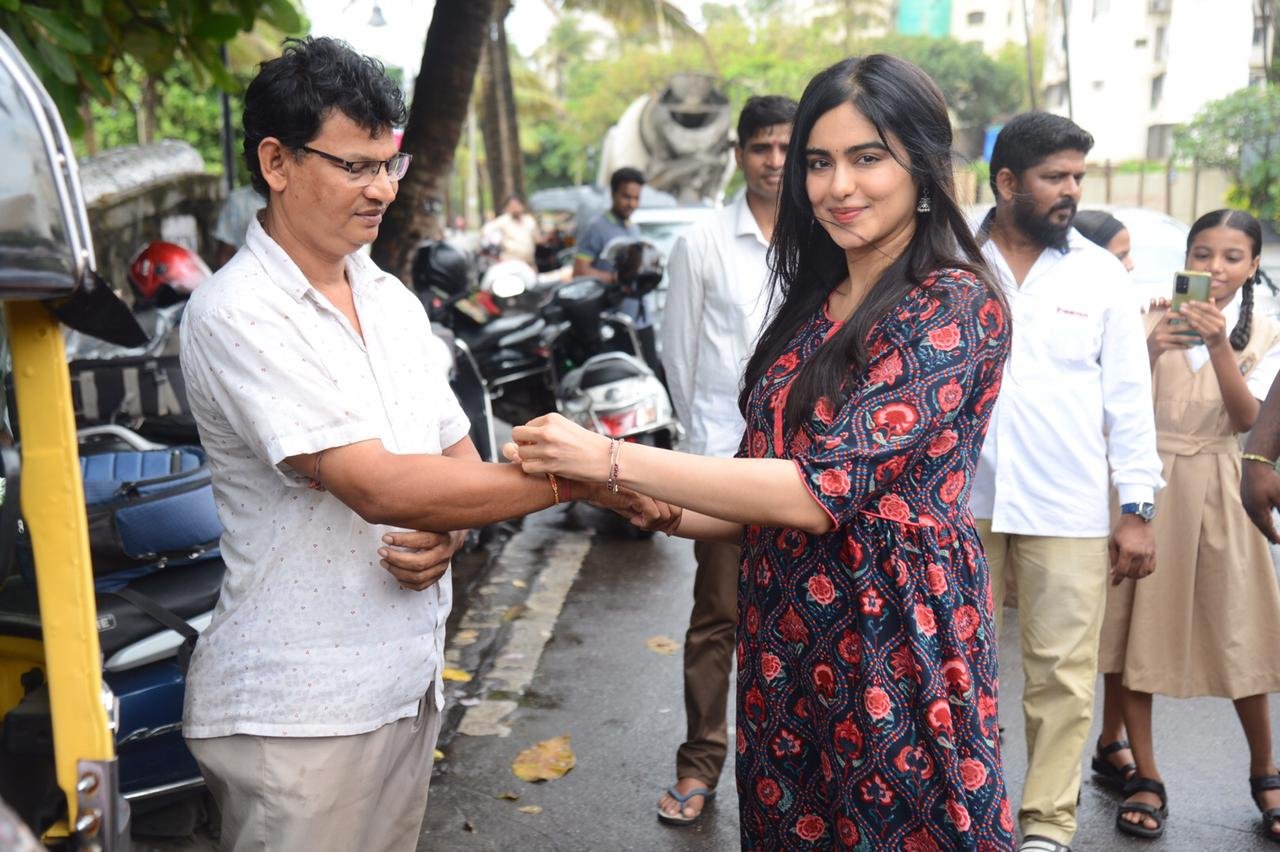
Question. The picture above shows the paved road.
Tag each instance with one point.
(592, 602)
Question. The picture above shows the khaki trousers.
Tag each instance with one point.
(1061, 588)
(708, 660)
(315, 794)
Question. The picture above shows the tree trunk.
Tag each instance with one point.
(442, 95)
(498, 111)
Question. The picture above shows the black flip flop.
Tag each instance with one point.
(1270, 816)
(1107, 773)
(1139, 784)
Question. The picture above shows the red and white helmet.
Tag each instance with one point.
(165, 273)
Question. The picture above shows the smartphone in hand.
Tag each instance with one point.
(1188, 287)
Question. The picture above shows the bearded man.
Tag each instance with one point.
(1075, 405)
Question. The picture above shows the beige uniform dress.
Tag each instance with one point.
(1207, 622)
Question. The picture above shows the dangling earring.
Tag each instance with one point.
(924, 206)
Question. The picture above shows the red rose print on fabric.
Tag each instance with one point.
(956, 674)
(895, 419)
(759, 445)
(768, 791)
(925, 620)
(943, 444)
(850, 552)
(951, 486)
(849, 738)
(821, 589)
(935, 577)
(894, 508)
(850, 648)
(965, 622)
(810, 827)
(753, 620)
(872, 603)
(885, 371)
(824, 680)
(973, 773)
(877, 703)
(950, 395)
(946, 338)
(959, 814)
(770, 666)
(938, 716)
(824, 412)
(834, 482)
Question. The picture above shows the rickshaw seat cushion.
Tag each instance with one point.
(144, 506)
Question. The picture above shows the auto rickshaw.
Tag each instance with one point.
(48, 279)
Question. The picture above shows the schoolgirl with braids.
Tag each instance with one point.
(1207, 622)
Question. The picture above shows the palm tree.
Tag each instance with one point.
(442, 96)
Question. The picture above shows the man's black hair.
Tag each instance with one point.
(764, 111)
(1031, 138)
(626, 174)
(293, 95)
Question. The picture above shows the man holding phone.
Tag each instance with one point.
(1075, 405)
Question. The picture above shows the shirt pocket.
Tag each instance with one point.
(1058, 339)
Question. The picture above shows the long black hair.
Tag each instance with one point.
(901, 101)
(1237, 220)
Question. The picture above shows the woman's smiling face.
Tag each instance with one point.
(863, 197)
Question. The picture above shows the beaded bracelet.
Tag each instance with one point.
(1258, 458)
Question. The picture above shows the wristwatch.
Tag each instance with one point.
(1146, 511)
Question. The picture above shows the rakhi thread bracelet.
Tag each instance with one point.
(615, 450)
(1258, 458)
(555, 488)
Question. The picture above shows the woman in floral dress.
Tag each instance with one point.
(866, 655)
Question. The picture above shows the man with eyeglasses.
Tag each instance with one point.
(313, 698)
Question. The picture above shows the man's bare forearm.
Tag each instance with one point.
(1264, 439)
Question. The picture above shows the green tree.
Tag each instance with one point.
(78, 47)
(1241, 133)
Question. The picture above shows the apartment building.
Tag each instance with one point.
(1131, 71)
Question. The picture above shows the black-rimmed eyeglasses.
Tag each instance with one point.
(364, 171)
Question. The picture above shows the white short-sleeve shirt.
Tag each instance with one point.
(311, 636)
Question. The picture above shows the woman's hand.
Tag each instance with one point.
(552, 444)
(1205, 319)
(643, 512)
(1166, 334)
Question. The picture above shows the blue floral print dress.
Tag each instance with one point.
(867, 655)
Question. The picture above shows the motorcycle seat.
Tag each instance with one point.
(505, 331)
(186, 591)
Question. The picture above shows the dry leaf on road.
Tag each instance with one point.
(457, 675)
(546, 761)
(530, 809)
(662, 645)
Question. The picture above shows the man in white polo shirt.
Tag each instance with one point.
(1075, 406)
(313, 698)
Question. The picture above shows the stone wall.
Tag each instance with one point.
(143, 193)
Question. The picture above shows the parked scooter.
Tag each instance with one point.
(577, 354)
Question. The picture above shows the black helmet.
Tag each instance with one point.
(639, 265)
(441, 267)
